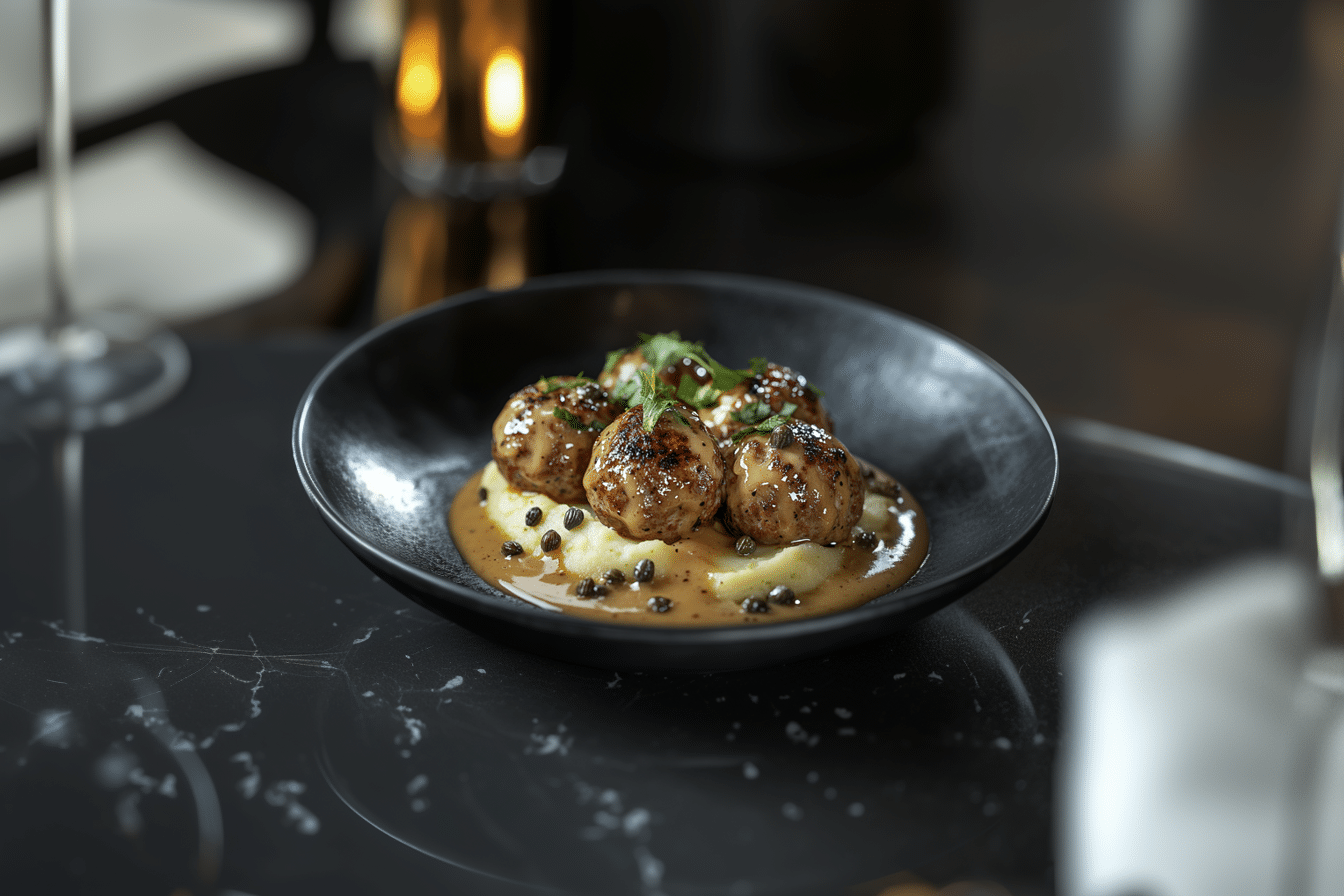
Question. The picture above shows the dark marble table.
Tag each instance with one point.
(248, 709)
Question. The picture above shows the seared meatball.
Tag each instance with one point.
(774, 387)
(537, 450)
(798, 482)
(627, 368)
(660, 485)
(633, 361)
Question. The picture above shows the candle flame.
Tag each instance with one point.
(502, 93)
(420, 80)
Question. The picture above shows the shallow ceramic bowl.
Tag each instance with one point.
(391, 429)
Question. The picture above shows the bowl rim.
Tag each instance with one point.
(563, 624)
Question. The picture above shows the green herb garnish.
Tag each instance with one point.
(665, 349)
(625, 391)
(549, 384)
(613, 357)
(769, 423)
(757, 411)
(656, 397)
(574, 422)
(759, 366)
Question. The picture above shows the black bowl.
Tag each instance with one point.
(398, 421)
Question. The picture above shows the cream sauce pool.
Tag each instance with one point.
(685, 577)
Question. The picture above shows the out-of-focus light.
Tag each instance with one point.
(419, 80)
(502, 93)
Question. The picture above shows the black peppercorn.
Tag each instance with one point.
(755, 605)
(745, 545)
(659, 604)
(550, 540)
(533, 516)
(783, 595)
(644, 571)
(573, 518)
(511, 548)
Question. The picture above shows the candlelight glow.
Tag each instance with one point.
(502, 93)
(419, 80)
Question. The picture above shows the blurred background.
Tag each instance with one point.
(1132, 205)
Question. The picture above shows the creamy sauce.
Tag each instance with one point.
(687, 570)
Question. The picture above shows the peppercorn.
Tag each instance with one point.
(644, 571)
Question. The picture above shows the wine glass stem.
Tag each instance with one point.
(55, 146)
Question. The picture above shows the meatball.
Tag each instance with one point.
(774, 387)
(628, 366)
(796, 483)
(541, 451)
(661, 485)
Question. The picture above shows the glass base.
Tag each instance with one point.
(102, 369)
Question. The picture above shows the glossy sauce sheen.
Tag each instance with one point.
(542, 580)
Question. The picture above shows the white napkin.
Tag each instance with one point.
(127, 54)
(1202, 756)
(161, 226)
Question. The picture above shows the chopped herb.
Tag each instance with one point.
(759, 366)
(575, 423)
(613, 358)
(758, 411)
(664, 349)
(549, 384)
(768, 425)
(625, 390)
(656, 397)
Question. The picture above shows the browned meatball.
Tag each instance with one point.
(537, 450)
(633, 361)
(627, 368)
(796, 483)
(774, 387)
(660, 485)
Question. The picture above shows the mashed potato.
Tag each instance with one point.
(591, 549)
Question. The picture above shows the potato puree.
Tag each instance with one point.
(705, 579)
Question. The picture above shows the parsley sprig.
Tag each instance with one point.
(663, 350)
(768, 424)
(656, 397)
(574, 422)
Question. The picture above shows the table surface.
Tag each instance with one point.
(247, 696)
